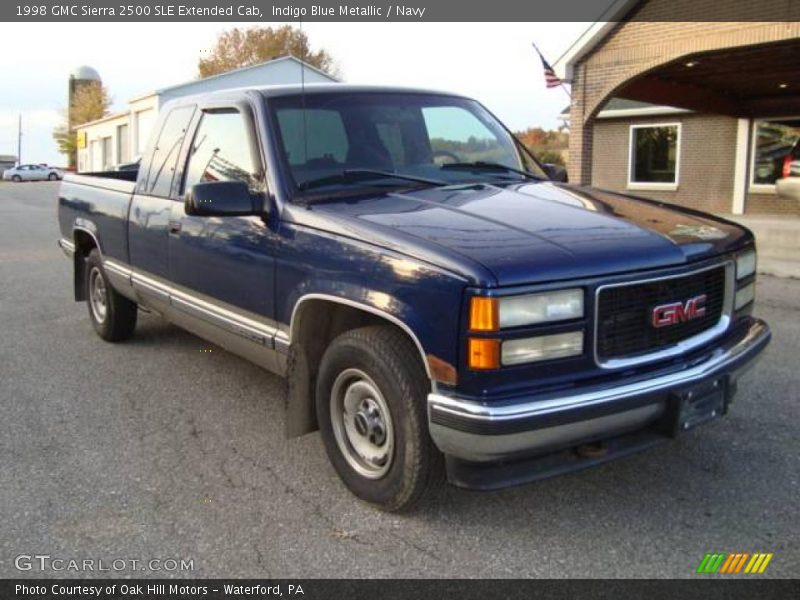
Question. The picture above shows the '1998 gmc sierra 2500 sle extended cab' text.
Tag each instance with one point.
(439, 303)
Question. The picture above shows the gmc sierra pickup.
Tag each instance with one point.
(437, 301)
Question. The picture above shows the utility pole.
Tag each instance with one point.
(19, 141)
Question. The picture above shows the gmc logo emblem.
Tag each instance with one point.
(679, 312)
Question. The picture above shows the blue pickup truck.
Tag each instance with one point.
(442, 304)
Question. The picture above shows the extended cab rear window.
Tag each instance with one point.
(165, 155)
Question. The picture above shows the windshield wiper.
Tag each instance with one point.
(480, 165)
(350, 175)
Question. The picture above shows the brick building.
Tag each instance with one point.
(699, 113)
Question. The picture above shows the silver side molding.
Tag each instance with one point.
(67, 247)
(275, 337)
(150, 288)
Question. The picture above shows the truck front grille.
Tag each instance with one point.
(625, 313)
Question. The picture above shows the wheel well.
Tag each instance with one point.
(315, 325)
(84, 243)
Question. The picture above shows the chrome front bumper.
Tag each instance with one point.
(483, 432)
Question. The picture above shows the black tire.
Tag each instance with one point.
(413, 465)
(16, 178)
(113, 316)
(52, 177)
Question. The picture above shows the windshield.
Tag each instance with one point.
(424, 137)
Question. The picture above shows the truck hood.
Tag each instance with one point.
(538, 232)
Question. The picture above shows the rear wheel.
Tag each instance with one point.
(52, 177)
(371, 394)
(113, 316)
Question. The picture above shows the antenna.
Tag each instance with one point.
(303, 91)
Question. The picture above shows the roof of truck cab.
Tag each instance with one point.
(274, 91)
(341, 88)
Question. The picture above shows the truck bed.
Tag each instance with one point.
(118, 181)
(98, 203)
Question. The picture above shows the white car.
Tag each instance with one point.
(32, 173)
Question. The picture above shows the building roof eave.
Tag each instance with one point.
(143, 97)
(109, 117)
(622, 113)
(170, 88)
(589, 39)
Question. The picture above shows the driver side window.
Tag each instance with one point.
(221, 151)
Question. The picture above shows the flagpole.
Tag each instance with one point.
(563, 87)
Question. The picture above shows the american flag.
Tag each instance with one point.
(550, 77)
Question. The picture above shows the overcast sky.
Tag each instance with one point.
(493, 62)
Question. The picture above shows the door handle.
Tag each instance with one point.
(174, 227)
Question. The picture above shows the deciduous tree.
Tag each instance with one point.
(548, 145)
(89, 102)
(239, 48)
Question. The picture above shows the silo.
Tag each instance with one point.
(80, 77)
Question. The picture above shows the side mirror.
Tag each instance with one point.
(221, 199)
(555, 172)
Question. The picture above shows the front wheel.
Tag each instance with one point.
(371, 394)
(52, 177)
(16, 178)
(113, 316)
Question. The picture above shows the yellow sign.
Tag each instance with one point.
(81, 140)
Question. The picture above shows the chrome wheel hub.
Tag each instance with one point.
(362, 423)
(97, 295)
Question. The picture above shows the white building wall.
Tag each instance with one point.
(144, 112)
(91, 158)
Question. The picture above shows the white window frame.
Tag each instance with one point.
(655, 186)
(760, 188)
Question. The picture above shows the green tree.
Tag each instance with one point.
(239, 48)
(89, 102)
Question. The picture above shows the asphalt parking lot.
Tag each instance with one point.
(154, 449)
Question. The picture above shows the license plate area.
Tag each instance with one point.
(698, 405)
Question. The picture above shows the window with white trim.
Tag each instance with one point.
(776, 145)
(654, 154)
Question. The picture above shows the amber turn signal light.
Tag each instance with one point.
(483, 314)
(483, 353)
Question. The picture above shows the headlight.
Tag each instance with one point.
(745, 264)
(745, 295)
(541, 308)
(544, 347)
(491, 314)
